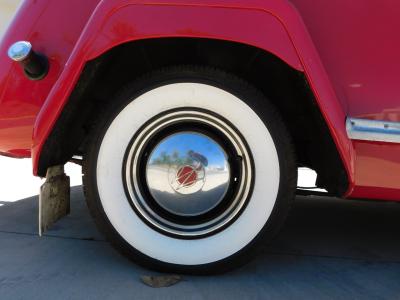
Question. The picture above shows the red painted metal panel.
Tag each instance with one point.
(377, 168)
(47, 24)
(359, 45)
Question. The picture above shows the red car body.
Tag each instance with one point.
(347, 50)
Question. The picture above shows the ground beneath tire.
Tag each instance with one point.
(329, 249)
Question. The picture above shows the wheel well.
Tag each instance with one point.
(285, 87)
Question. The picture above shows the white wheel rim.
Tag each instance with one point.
(153, 243)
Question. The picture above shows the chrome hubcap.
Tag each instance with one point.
(188, 173)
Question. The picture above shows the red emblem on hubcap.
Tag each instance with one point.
(186, 176)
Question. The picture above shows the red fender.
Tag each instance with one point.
(272, 25)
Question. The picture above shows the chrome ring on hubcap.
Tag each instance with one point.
(188, 173)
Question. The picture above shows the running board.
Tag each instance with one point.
(372, 130)
(54, 198)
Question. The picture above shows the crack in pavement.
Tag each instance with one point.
(90, 239)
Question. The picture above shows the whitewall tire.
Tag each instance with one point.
(188, 170)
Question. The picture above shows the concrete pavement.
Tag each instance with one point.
(329, 249)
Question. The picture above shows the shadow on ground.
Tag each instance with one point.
(329, 248)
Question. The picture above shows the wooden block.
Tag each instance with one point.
(54, 198)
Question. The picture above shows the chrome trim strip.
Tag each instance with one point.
(372, 130)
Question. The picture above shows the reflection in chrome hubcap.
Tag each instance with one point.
(188, 173)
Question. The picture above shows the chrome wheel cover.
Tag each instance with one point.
(188, 173)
